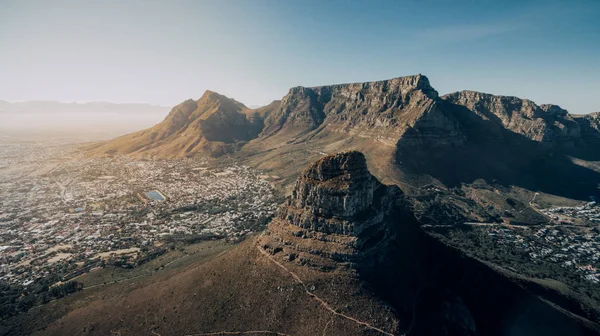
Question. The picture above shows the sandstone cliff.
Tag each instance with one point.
(381, 111)
(337, 213)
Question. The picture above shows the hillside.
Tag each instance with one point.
(344, 256)
(213, 125)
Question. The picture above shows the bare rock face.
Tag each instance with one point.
(547, 124)
(338, 185)
(590, 127)
(337, 211)
(381, 111)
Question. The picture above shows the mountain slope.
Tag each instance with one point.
(213, 125)
(344, 256)
(548, 124)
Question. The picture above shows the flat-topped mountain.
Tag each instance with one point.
(411, 137)
(377, 110)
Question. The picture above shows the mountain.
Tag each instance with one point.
(547, 123)
(82, 121)
(344, 255)
(53, 107)
(455, 154)
(214, 125)
(460, 156)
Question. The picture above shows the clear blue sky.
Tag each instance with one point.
(163, 52)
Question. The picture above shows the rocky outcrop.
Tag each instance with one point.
(546, 124)
(380, 111)
(337, 212)
(590, 126)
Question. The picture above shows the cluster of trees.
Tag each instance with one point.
(192, 238)
(16, 298)
(477, 242)
(255, 225)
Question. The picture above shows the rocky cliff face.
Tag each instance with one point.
(338, 212)
(407, 111)
(381, 111)
(547, 124)
(404, 112)
(590, 127)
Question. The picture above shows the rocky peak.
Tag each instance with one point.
(339, 185)
(337, 211)
(554, 110)
(212, 95)
(217, 99)
(547, 124)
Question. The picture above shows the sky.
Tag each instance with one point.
(164, 52)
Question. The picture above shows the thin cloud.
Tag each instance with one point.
(465, 32)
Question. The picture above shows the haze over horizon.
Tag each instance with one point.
(164, 53)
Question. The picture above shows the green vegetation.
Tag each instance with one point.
(477, 242)
(15, 298)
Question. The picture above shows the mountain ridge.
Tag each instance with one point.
(411, 136)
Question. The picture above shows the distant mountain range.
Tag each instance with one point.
(91, 107)
(82, 121)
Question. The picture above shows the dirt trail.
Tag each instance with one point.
(322, 302)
